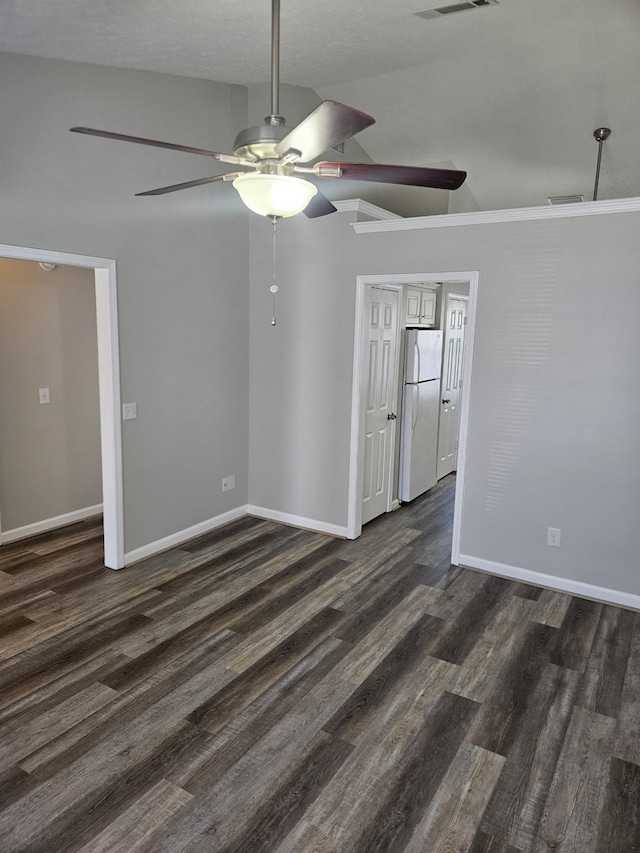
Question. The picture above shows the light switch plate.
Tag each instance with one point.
(129, 411)
(43, 394)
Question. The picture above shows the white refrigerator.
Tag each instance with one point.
(420, 411)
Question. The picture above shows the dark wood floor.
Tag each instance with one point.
(269, 689)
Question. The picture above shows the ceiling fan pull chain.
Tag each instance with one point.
(274, 287)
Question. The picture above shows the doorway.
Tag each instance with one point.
(108, 387)
(356, 470)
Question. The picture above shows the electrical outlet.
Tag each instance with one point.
(232, 481)
(129, 411)
(553, 536)
(43, 394)
(225, 484)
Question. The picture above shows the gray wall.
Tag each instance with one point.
(301, 368)
(182, 263)
(554, 400)
(49, 454)
(462, 201)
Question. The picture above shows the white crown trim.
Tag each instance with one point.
(366, 207)
(488, 217)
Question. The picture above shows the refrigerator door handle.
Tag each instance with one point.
(418, 374)
(416, 392)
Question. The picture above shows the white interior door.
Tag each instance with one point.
(451, 386)
(379, 371)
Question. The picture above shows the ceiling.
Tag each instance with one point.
(511, 92)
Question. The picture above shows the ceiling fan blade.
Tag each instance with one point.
(188, 184)
(327, 126)
(141, 140)
(319, 206)
(413, 176)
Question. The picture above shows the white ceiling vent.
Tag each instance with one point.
(565, 199)
(440, 11)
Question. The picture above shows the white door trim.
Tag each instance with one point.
(109, 387)
(354, 525)
(467, 368)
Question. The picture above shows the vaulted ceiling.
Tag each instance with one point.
(510, 92)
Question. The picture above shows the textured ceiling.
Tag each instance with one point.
(511, 92)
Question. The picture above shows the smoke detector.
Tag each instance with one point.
(441, 11)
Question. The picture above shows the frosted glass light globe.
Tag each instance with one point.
(274, 195)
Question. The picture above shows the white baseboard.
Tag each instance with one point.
(49, 524)
(298, 521)
(573, 587)
(182, 536)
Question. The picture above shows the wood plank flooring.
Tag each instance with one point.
(264, 688)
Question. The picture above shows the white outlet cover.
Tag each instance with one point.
(553, 537)
(43, 394)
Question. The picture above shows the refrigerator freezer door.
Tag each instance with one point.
(423, 355)
(419, 439)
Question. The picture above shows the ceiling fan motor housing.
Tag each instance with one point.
(258, 143)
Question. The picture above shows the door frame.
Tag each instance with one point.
(397, 282)
(108, 384)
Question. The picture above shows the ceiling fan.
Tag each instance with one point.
(271, 157)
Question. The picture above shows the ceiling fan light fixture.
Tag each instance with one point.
(274, 195)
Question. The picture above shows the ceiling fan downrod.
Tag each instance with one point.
(599, 134)
(275, 118)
